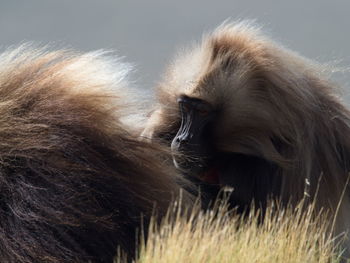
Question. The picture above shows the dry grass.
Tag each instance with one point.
(286, 235)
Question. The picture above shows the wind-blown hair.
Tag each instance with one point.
(271, 103)
(74, 182)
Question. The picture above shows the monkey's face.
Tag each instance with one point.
(194, 135)
(212, 135)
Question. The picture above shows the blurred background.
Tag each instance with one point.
(148, 32)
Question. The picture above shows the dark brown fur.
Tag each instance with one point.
(74, 183)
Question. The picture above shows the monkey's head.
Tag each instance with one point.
(239, 93)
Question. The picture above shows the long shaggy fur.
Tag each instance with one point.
(271, 103)
(74, 183)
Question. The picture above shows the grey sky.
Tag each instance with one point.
(148, 33)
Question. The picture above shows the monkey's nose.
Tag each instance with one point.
(182, 139)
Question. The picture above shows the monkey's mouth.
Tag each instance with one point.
(203, 171)
(204, 168)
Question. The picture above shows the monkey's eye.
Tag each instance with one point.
(203, 109)
(203, 112)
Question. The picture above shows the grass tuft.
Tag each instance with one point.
(286, 235)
